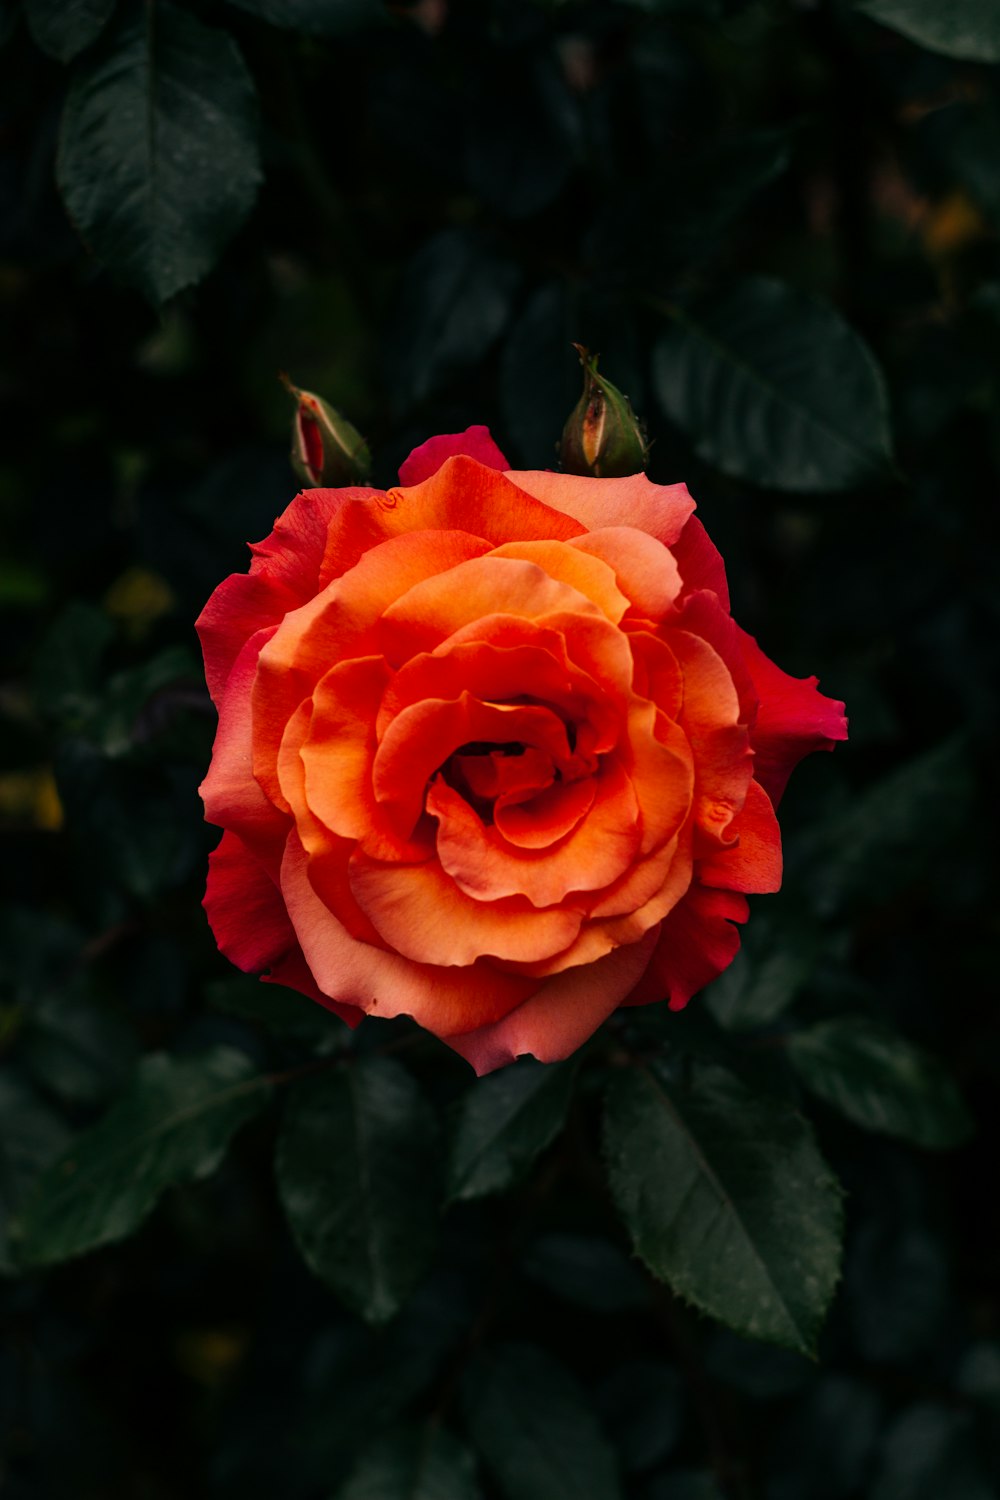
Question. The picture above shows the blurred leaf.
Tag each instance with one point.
(62, 28)
(586, 1270)
(978, 1374)
(643, 1411)
(727, 1199)
(158, 162)
(505, 1121)
(774, 387)
(684, 1484)
(891, 832)
(285, 1012)
(959, 28)
(764, 978)
(880, 1080)
(414, 1463)
(898, 1290)
(455, 298)
(8, 19)
(331, 18)
(539, 374)
(685, 213)
(929, 1454)
(31, 1138)
(535, 1429)
(362, 1379)
(125, 822)
(172, 1125)
(517, 160)
(759, 1371)
(825, 1446)
(357, 1175)
(39, 950)
(67, 662)
(77, 1048)
(129, 692)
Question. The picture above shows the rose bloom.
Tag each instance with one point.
(492, 753)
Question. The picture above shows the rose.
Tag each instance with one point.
(492, 752)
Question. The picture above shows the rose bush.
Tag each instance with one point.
(492, 752)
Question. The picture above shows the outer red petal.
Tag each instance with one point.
(700, 562)
(753, 864)
(474, 442)
(697, 941)
(793, 719)
(284, 573)
(247, 916)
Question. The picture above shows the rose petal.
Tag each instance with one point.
(697, 941)
(420, 912)
(283, 574)
(596, 851)
(474, 442)
(700, 562)
(645, 571)
(792, 721)
(339, 624)
(381, 983)
(658, 509)
(232, 797)
(561, 1015)
(753, 864)
(720, 744)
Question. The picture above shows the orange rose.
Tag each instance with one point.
(492, 752)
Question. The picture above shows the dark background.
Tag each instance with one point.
(449, 196)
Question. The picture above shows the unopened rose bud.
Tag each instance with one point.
(603, 437)
(326, 448)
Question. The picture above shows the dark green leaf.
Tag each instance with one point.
(774, 387)
(158, 162)
(958, 28)
(62, 28)
(881, 1081)
(727, 1199)
(929, 1454)
(415, 1463)
(535, 1429)
(173, 1125)
(586, 1270)
(331, 18)
(31, 1137)
(364, 1214)
(504, 1122)
(455, 299)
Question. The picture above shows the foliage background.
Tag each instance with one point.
(415, 210)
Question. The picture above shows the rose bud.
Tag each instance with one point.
(326, 448)
(603, 436)
(493, 753)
